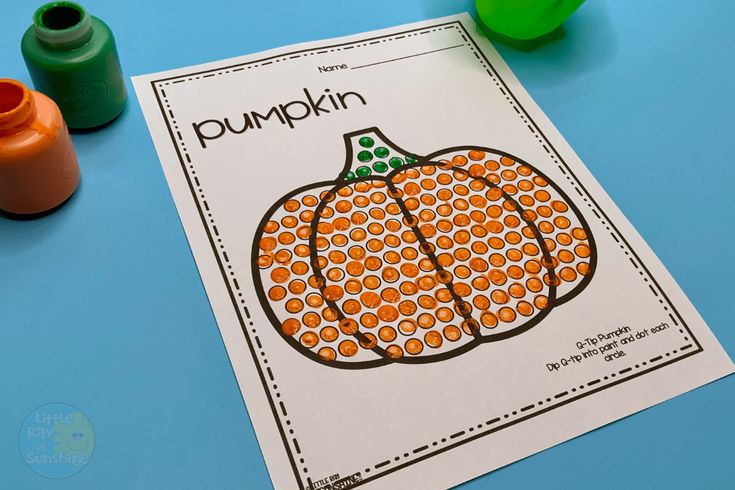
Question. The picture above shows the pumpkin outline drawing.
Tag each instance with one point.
(472, 332)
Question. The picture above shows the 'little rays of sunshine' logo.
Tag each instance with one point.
(56, 440)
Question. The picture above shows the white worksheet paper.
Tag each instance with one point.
(506, 360)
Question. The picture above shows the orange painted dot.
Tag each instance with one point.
(387, 313)
(306, 216)
(497, 277)
(368, 341)
(348, 326)
(427, 302)
(452, 333)
(343, 206)
(347, 348)
(373, 263)
(356, 252)
(462, 289)
(414, 346)
(280, 274)
(563, 239)
(291, 205)
(355, 268)
(496, 243)
(290, 327)
(302, 250)
(426, 264)
(481, 302)
(265, 261)
(443, 295)
(534, 284)
(368, 320)
(524, 308)
(565, 256)
(568, 274)
(562, 222)
(387, 334)
(271, 226)
(267, 244)
(286, 238)
(407, 327)
(479, 248)
(344, 191)
(489, 320)
(507, 161)
(545, 227)
(426, 320)
(433, 339)
(351, 307)
(394, 351)
(506, 314)
(277, 293)
(492, 165)
(540, 181)
(409, 270)
(333, 293)
(541, 302)
(462, 271)
(517, 290)
(370, 299)
(508, 175)
(515, 272)
(499, 297)
(311, 319)
(526, 200)
(583, 268)
(544, 211)
(330, 314)
(314, 300)
(309, 339)
(327, 354)
(408, 288)
(582, 250)
(525, 185)
(297, 286)
(532, 266)
(514, 254)
(329, 334)
(579, 234)
(444, 314)
(391, 295)
(407, 307)
(480, 283)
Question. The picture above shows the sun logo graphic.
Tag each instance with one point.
(56, 440)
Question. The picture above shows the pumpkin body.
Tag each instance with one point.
(416, 259)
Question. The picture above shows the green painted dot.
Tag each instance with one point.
(410, 159)
(350, 176)
(363, 171)
(395, 162)
(364, 156)
(381, 152)
(366, 142)
(380, 167)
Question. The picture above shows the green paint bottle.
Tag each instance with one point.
(72, 58)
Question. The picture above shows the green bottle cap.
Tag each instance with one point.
(72, 58)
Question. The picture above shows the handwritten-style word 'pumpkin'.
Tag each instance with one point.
(412, 259)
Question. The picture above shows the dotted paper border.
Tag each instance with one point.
(469, 432)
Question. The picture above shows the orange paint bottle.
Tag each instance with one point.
(38, 165)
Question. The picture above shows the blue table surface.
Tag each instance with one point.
(101, 305)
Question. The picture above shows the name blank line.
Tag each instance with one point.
(406, 57)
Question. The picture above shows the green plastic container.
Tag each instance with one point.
(525, 19)
(72, 58)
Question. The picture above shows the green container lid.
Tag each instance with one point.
(72, 58)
